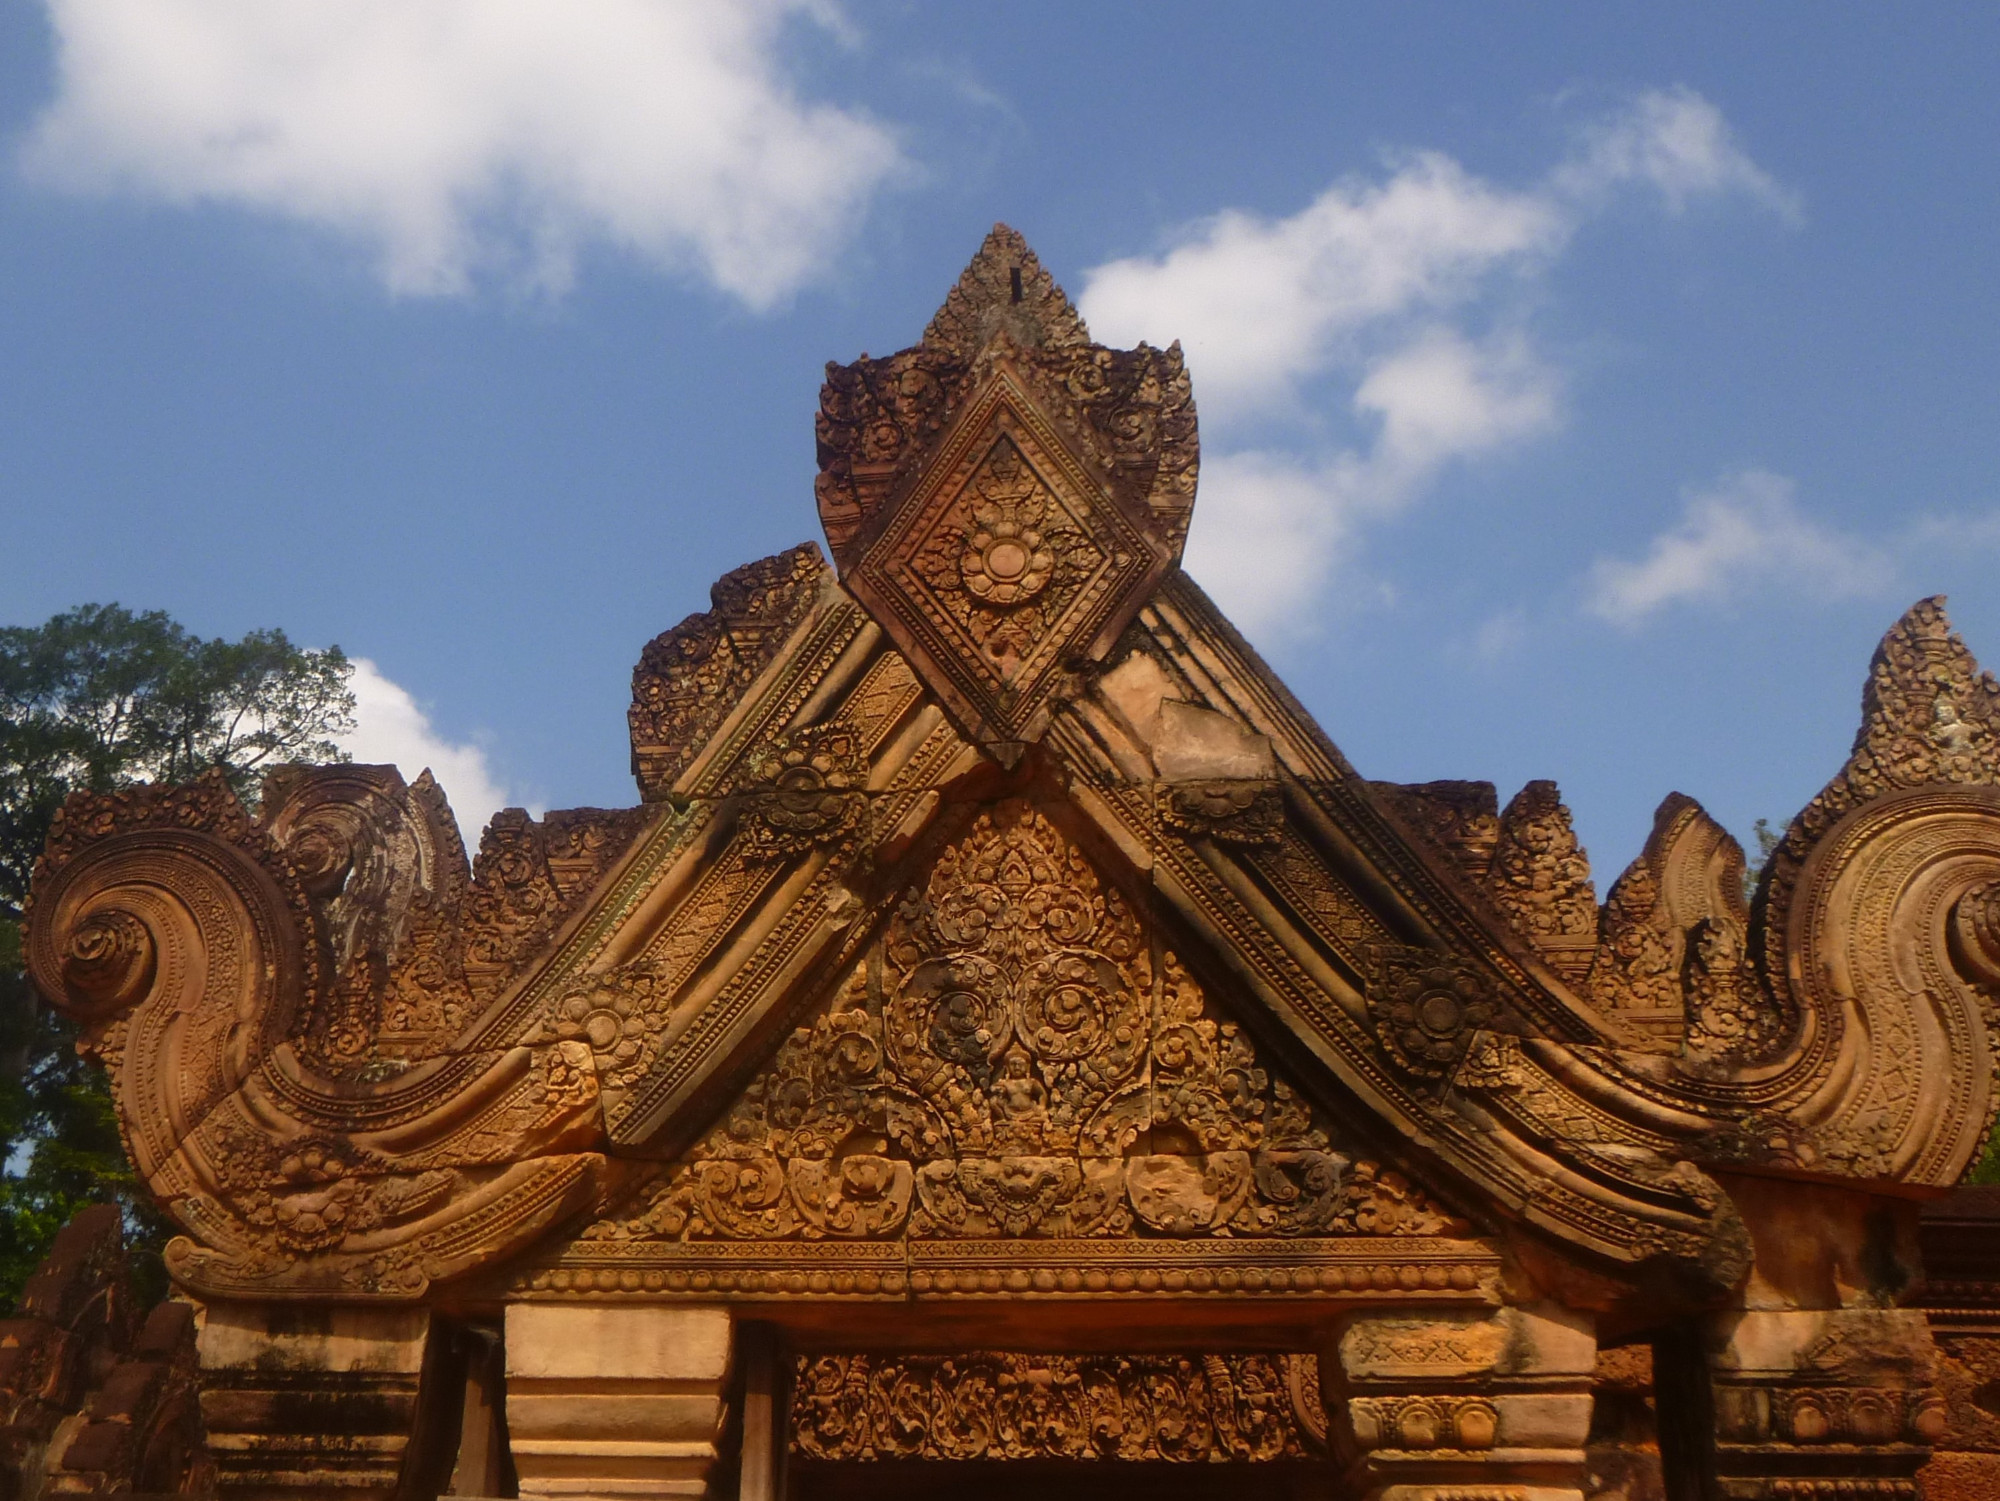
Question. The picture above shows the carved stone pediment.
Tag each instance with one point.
(1019, 1056)
(996, 925)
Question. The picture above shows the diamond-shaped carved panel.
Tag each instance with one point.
(1007, 561)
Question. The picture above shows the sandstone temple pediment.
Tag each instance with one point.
(1007, 1030)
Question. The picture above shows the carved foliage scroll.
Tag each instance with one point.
(1428, 1006)
(1020, 1058)
(1673, 962)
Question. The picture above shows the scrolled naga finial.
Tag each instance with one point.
(200, 948)
(1975, 935)
(1890, 935)
(323, 855)
(108, 963)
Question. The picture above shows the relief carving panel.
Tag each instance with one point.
(1182, 1409)
(1019, 1057)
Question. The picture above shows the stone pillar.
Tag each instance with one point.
(1434, 1408)
(761, 1470)
(1834, 1403)
(1818, 1385)
(610, 1401)
(308, 1401)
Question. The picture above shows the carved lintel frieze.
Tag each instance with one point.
(1001, 1405)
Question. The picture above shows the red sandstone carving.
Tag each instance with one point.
(997, 932)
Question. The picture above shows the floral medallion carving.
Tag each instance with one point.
(1019, 1058)
(1229, 811)
(1003, 496)
(1008, 559)
(617, 1015)
(1427, 1006)
(809, 793)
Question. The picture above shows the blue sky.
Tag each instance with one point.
(1584, 388)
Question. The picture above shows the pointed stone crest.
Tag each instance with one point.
(1005, 495)
(1930, 716)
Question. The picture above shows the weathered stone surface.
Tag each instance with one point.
(93, 1398)
(615, 1401)
(1494, 1402)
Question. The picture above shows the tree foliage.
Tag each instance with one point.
(94, 699)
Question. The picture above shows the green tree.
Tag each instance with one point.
(94, 699)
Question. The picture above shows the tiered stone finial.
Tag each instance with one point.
(1004, 495)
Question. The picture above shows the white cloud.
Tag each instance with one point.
(1955, 534)
(1441, 397)
(1675, 142)
(1272, 527)
(1745, 533)
(1381, 290)
(1500, 636)
(1261, 303)
(460, 138)
(390, 728)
